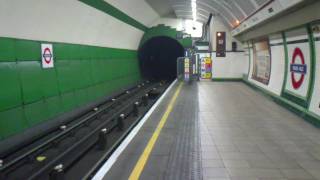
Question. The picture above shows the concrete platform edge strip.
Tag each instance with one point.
(137, 170)
(108, 164)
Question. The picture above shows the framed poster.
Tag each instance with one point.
(261, 61)
(221, 44)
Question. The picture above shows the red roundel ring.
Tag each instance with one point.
(297, 83)
(47, 55)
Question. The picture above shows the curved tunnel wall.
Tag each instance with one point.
(158, 56)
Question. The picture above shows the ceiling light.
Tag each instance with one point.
(194, 9)
(193, 4)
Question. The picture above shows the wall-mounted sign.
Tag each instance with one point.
(47, 56)
(186, 69)
(261, 61)
(298, 68)
(206, 68)
(299, 65)
(315, 100)
(221, 44)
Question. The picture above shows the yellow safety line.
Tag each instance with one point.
(135, 174)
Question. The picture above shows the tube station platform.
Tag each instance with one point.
(216, 130)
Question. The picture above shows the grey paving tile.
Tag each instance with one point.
(267, 173)
(227, 148)
(285, 163)
(209, 148)
(232, 156)
(273, 179)
(316, 154)
(210, 155)
(215, 173)
(312, 164)
(236, 163)
(248, 148)
(255, 173)
(265, 164)
(207, 142)
(212, 178)
(212, 163)
(314, 172)
(300, 156)
(296, 174)
(244, 178)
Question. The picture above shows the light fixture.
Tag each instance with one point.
(219, 34)
(237, 22)
(194, 9)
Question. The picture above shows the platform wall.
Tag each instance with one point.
(235, 64)
(277, 64)
(94, 50)
(294, 74)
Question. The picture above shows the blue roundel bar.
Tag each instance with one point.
(47, 55)
(298, 68)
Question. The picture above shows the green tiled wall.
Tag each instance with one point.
(30, 95)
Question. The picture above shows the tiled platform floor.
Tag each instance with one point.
(245, 135)
(224, 131)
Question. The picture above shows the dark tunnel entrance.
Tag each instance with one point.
(158, 58)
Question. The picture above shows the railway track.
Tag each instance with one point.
(76, 149)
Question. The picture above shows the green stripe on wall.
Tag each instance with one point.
(113, 11)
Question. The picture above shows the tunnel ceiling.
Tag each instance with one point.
(231, 11)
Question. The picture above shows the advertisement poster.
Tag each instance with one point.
(187, 69)
(206, 68)
(261, 61)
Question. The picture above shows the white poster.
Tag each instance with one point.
(47, 56)
(261, 61)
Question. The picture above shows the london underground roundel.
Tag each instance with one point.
(298, 68)
(47, 55)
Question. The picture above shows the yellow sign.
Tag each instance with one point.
(206, 68)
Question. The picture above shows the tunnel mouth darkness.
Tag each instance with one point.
(158, 58)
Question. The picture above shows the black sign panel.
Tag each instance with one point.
(221, 44)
